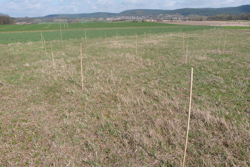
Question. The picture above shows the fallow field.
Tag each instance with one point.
(127, 105)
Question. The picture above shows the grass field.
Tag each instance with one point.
(133, 108)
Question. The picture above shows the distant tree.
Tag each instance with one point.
(223, 17)
(245, 16)
(5, 19)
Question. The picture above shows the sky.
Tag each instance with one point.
(35, 8)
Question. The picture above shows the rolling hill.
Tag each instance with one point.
(153, 12)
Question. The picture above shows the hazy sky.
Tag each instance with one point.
(33, 8)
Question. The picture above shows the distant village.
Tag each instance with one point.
(145, 18)
(159, 18)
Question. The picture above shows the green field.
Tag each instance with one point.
(236, 28)
(73, 26)
(129, 107)
(32, 33)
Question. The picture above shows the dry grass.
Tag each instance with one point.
(132, 110)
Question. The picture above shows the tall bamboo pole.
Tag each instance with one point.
(187, 50)
(136, 44)
(45, 47)
(189, 113)
(105, 38)
(52, 55)
(42, 38)
(220, 42)
(61, 31)
(85, 38)
(183, 44)
(225, 44)
(81, 64)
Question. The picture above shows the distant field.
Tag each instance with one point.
(32, 33)
(236, 27)
(242, 24)
(73, 26)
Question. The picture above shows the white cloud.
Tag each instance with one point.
(34, 8)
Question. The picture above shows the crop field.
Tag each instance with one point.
(127, 105)
(32, 33)
(65, 26)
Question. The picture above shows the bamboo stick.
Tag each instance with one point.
(187, 49)
(225, 44)
(45, 47)
(85, 38)
(220, 41)
(43, 41)
(183, 45)
(42, 38)
(106, 39)
(81, 64)
(52, 55)
(61, 31)
(136, 44)
(189, 113)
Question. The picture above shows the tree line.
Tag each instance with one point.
(224, 17)
(5, 19)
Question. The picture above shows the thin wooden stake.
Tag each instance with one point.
(136, 44)
(187, 50)
(183, 45)
(81, 64)
(189, 113)
(105, 39)
(220, 41)
(52, 55)
(42, 38)
(86, 38)
(45, 48)
(225, 44)
(86, 41)
(61, 31)
(43, 41)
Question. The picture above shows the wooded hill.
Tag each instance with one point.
(153, 13)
